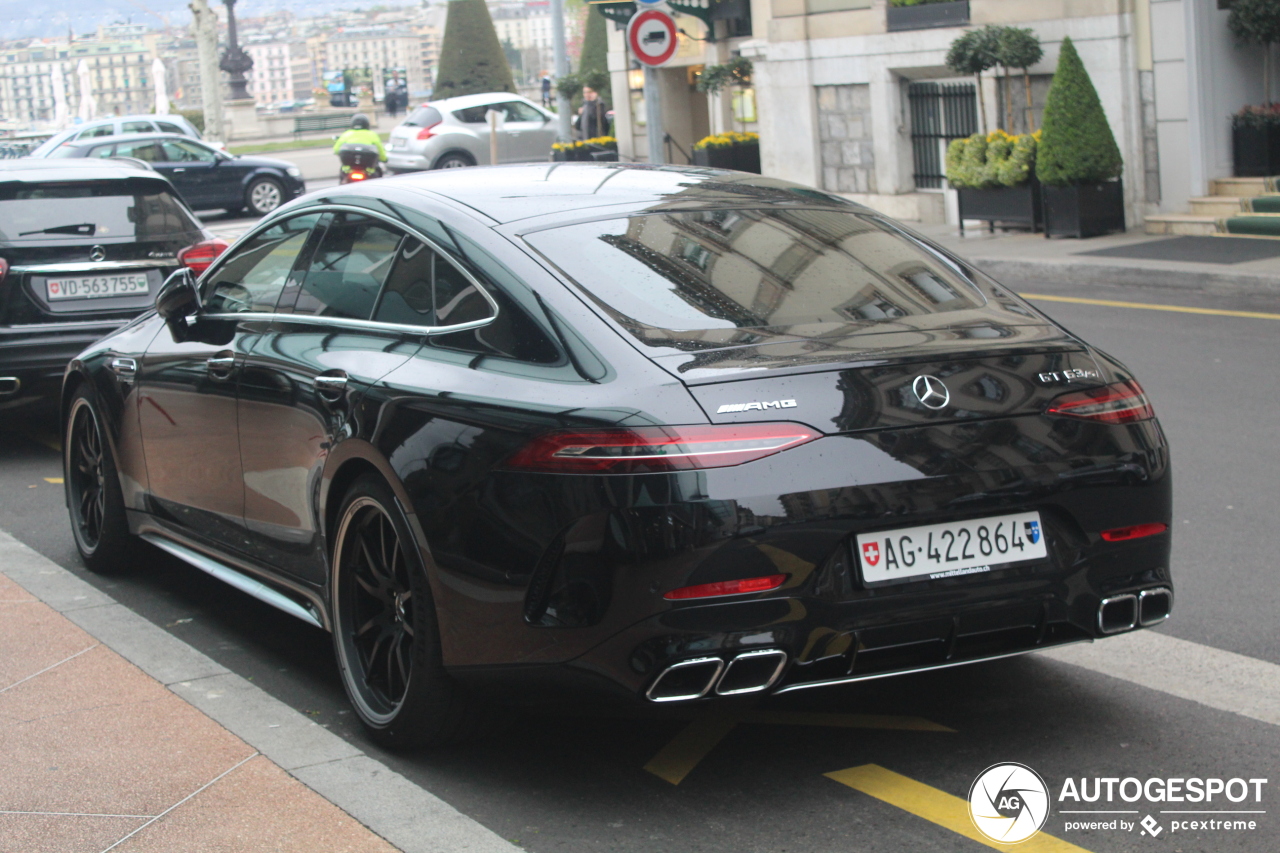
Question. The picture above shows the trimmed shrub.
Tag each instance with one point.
(595, 43)
(992, 160)
(1077, 146)
(471, 58)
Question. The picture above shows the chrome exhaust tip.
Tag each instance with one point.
(688, 679)
(1154, 606)
(9, 385)
(752, 672)
(1118, 613)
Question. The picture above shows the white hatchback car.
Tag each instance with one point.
(454, 132)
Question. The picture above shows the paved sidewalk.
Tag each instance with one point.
(100, 756)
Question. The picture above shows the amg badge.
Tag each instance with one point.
(755, 407)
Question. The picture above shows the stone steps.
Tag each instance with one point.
(1216, 205)
(1182, 223)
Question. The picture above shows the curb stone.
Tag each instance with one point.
(407, 816)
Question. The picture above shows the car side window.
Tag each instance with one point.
(102, 130)
(425, 289)
(517, 111)
(349, 267)
(138, 127)
(170, 127)
(103, 151)
(253, 278)
(472, 115)
(146, 150)
(181, 152)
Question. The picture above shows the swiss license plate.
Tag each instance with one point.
(399, 144)
(95, 286)
(951, 548)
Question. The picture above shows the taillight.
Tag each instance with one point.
(649, 450)
(197, 258)
(711, 590)
(428, 132)
(1121, 403)
(1136, 531)
(4, 270)
(355, 176)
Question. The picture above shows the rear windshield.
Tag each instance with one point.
(114, 210)
(424, 116)
(692, 279)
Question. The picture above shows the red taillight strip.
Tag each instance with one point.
(711, 590)
(428, 131)
(1121, 403)
(1136, 531)
(200, 257)
(645, 450)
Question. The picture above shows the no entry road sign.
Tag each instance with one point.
(651, 34)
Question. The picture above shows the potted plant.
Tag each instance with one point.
(994, 176)
(730, 150)
(926, 14)
(1255, 131)
(1077, 161)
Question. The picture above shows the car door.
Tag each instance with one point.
(188, 384)
(526, 135)
(193, 169)
(305, 377)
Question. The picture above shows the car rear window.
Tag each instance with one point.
(424, 116)
(101, 210)
(690, 279)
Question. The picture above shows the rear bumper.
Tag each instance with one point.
(405, 161)
(34, 357)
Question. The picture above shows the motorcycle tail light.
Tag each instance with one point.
(653, 450)
(428, 132)
(1121, 403)
(711, 590)
(356, 176)
(199, 257)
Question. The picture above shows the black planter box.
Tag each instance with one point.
(1256, 151)
(748, 157)
(1083, 210)
(927, 16)
(1020, 205)
(743, 158)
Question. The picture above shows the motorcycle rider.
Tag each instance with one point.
(360, 134)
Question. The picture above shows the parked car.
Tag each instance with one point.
(84, 246)
(454, 132)
(684, 435)
(206, 177)
(117, 126)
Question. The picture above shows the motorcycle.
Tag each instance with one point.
(359, 163)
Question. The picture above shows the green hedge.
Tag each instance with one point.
(1077, 146)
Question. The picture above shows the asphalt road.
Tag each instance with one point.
(575, 778)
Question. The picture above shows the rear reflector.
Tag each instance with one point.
(652, 450)
(428, 132)
(1136, 531)
(1121, 403)
(199, 257)
(711, 590)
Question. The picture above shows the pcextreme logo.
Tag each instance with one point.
(1009, 803)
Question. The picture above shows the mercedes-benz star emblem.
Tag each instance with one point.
(930, 391)
(97, 254)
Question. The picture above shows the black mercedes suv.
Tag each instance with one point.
(84, 246)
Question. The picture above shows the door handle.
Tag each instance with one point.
(125, 368)
(331, 386)
(180, 169)
(221, 365)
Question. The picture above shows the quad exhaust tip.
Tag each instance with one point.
(9, 385)
(1128, 611)
(748, 672)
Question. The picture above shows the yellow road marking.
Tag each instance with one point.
(675, 760)
(57, 481)
(937, 807)
(1181, 309)
(695, 741)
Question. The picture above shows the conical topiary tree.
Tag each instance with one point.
(471, 58)
(1077, 146)
(1257, 22)
(595, 44)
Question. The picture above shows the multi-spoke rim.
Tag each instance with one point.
(375, 612)
(86, 475)
(265, 196)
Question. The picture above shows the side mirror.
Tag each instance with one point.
(177, 300)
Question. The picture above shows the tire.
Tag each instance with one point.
(454, 160)
(94, 499)
(385, 629)
(264, 195)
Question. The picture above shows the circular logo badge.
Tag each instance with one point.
(1009, 803)
(931, 391)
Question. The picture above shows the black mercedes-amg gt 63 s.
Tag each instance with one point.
(682, 434)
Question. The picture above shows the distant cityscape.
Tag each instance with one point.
(295, 58)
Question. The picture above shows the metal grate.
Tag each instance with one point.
(940, 112)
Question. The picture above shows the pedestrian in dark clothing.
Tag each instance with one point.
(593, 119)
(546, 90)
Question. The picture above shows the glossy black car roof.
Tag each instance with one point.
(511, 193)
(37, 171)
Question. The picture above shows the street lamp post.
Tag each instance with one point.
(234, 60)
(561, 61)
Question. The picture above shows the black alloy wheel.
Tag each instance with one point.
(385, 630)
(94, 499)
